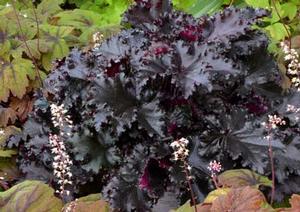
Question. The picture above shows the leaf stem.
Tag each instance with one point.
(26, 45)
(188, 178)
(284, 25)
(272, 170)
(37, 28)
(214, 178)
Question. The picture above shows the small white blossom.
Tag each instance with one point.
(292, 57)
(61, 164)
(273, 122)
(295, 110)
(60, 119)
(2, 132)
(97, 38)
(180, 147)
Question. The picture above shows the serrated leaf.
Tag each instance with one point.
(245, 141)
(227, 24)
(33, 47)
(53, 37)
(108, 93)
(289, 10)
(187, 69)
(14, 77)
(295, 202)
(30, 196)
(277, 31)
(96, 148)
(80, 19)
(47, 8)
(7, 116)
(242, 177)
(239, 199)
(22, 107)
(91, 202)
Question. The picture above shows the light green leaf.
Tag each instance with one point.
(53, 39)
(202, 7)
(213, 195)
(46, 61)
(55, 32)
(60, 49)
(242, 177)
(274, 15)
(7, 153)
(33, 48)
(277, 31)
(80, 19)
(49, 7)
(260, 3)
(14, 77)
(289, 10)
(30, 196)
(183, 4)
(296, 2)
(5, 49)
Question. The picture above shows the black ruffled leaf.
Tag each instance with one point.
(119, 104)
(94, 152)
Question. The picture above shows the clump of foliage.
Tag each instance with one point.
(168, 75)
(33, 36)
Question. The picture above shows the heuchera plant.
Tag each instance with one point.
(165, 76)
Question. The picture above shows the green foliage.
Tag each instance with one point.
(202, 7)
(198, 7)
(30, 196)
(283, 21)
(33, 196)
(33, 36)
(278, 26)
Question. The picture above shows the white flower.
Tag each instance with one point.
(180, 147)
(214, 167)
(292, 56)
(61, 164)
(2, 132)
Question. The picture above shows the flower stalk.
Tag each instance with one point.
(273, 122)
(214, 168)
(180, 154)
(62, 162)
